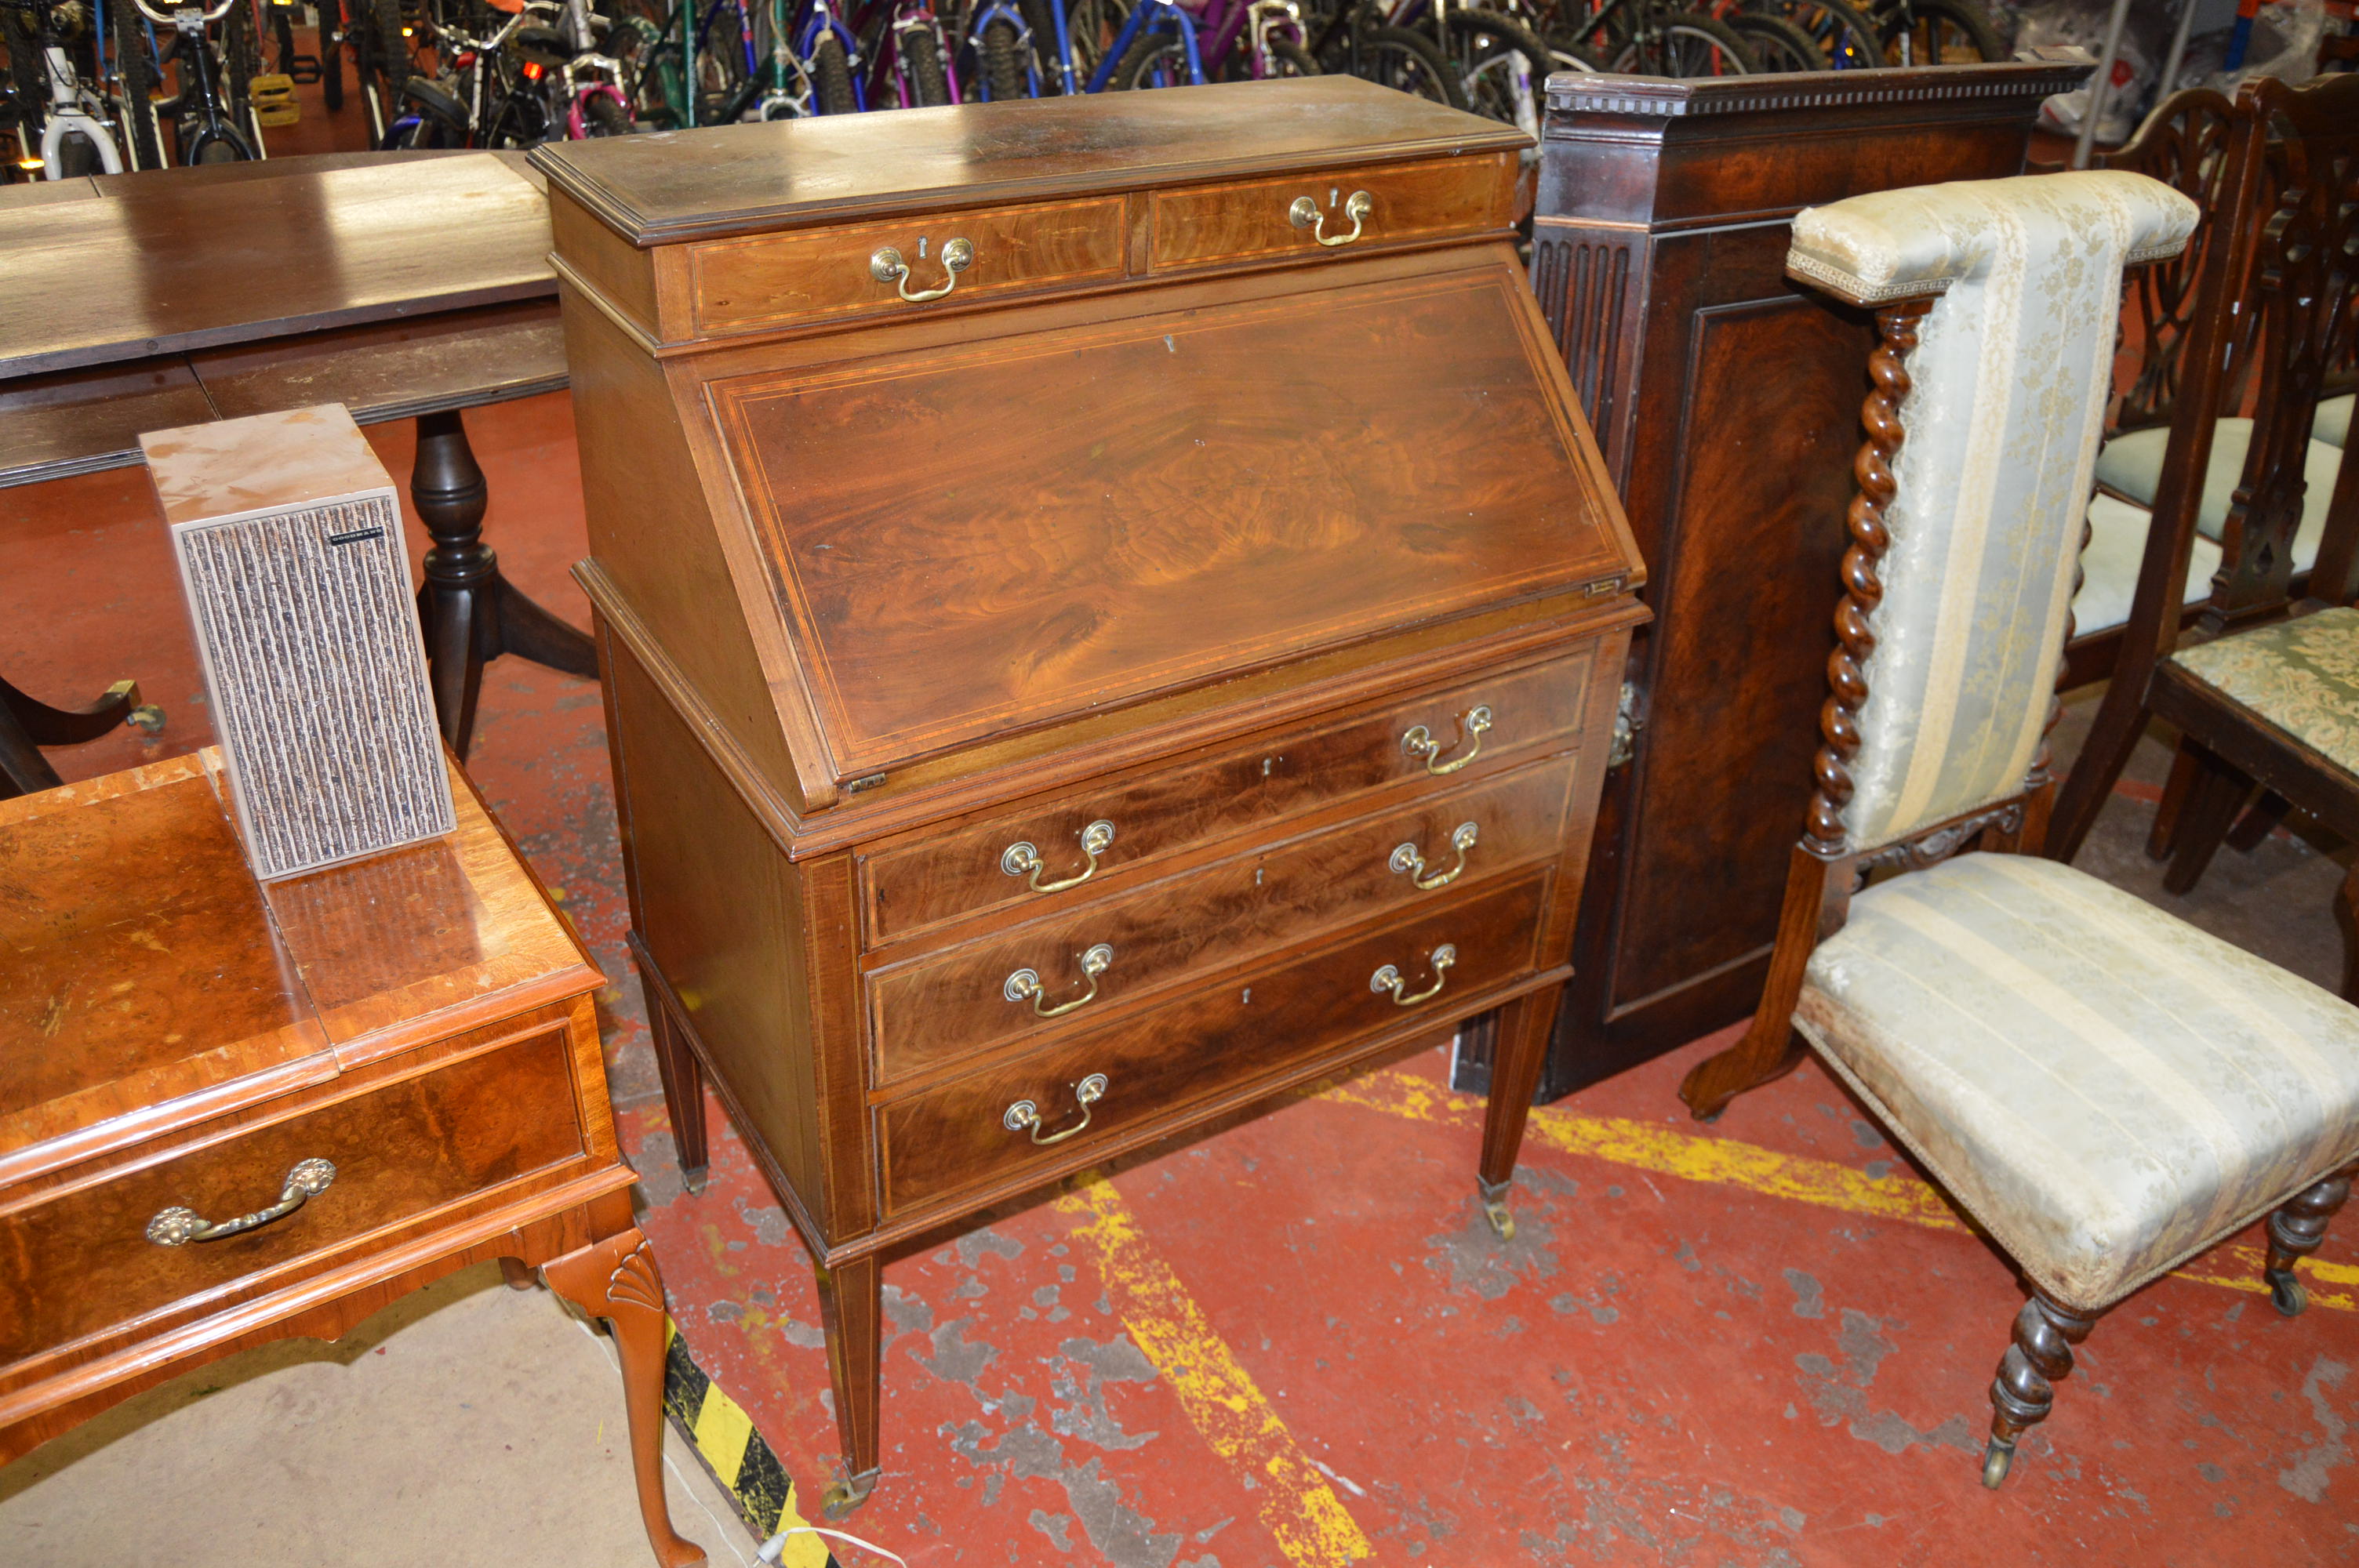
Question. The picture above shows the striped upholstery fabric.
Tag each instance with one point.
(2010, 378)
(2105, 1089)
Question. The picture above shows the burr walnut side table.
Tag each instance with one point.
(231, 1112)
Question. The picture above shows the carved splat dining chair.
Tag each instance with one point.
(2105, 1089)
(2241, 506)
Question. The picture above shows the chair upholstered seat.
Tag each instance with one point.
(2109, 566)
(2332, 424)
(2131, 467)
(2301, 675)
(2105, 1089)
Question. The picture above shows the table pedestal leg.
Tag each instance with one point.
(27, 724)
(470, 612)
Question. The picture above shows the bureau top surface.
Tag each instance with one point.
(141, 965)
(733, 180)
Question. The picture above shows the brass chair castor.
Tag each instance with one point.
(2286, 1293)
(692, 1182)
(146, 717)
(1495, 1207)
(845, 1494)
(1995, 1460)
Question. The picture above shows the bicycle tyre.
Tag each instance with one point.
(1404, 61)
(1469, 26)
(30, 92)
(1847, 37)
(331, 55)
(1134, 59)
(609, 116)
(1690, 39)
(1167, 52)
(1003, 62)
(1778, 44)
(831, 74)
(1293, 57)
(241, 57)
(1979, 36)
(135, 78)
(1092, 26)
(383, 18)
(922, 54)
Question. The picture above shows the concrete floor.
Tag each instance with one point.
(1290, 1345)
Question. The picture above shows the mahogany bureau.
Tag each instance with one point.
(1109, 610)
(231, 1112)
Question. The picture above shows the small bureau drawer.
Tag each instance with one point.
(1162, 1065)
(1363, 209)
(1215, 794)
(81, 1262)
(958, 1001)
(744, 286)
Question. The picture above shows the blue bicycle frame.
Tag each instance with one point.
(822, 18)
(1178, 17)
(1001, 11)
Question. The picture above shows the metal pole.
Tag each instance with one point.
(2100, 85)
(2178, 52)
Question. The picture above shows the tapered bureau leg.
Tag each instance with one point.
(1517, 1057)
(683, 1087)
(851, 1308)
(616, 1279)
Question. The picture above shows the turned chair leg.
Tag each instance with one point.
(616, 1279)
(2295, 1232)
(2025, 1389)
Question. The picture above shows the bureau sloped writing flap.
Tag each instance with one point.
(1010, 534)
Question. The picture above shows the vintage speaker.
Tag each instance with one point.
(289, 538)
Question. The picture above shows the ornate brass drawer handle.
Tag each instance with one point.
(1305, 214)
(886, 266)
(1021, 859)
(1024, 1114)
(1419, 741)
(177, 1226)
(1388, 979)
(1025, 984)
(1410, 862)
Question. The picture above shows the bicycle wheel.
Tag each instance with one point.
(1003, 61)
(1157, 60)
(1292, 59)
(833, 74)
(387, 51)
(27, 90)
(331, 54)
(1940, 32)
(1847, 37)
(1778, 44)
(135, 75)
(241, 58)
(606, 115)
(1690, 44)
(921, 53)
(1092, 26)
(1503, 67)
(1402, 59)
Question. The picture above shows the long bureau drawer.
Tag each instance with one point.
(1350, 209)
(81, 1262)
(1210, 796)
(1160, 1064)
(957, 1002)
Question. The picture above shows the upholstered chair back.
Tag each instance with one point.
(1999, 412)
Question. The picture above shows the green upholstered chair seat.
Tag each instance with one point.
(2109, 566)
(2131, 467)
(2301, 675)
(2105, 1089)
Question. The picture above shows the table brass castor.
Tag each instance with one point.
(1495, 1208)
(1995, 1460)
(2285, 1293)
(845, 1494)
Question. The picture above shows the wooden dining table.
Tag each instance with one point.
(403, 285)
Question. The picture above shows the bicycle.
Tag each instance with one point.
(380, 50)
(66, 127)
(913, 55)
(1937, 32)
(1654, 38)
(211, 113)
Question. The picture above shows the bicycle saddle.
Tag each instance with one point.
(545, 46)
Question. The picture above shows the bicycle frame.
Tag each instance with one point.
(916, 26)
(190, 23)
(824, 19)
(1149, 14)
(71, 114)
(1003, 11)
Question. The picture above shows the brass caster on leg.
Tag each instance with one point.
(147, 717)
(1495, 1208)
(693, 1181)
(845, 1494)
(1996, 1459)
(2285, 1293)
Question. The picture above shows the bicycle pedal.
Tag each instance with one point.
(303, 69)
(273, 98)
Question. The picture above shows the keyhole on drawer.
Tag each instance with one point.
(1247, 1000)
(1256, 876)
(921, 247)
(1265, 763)
(1332, 192)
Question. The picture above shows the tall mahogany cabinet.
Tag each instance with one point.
(1726, 403)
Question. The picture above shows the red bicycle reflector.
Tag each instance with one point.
(532, 70)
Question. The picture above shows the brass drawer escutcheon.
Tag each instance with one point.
(178, 1227)
(1024, 984)
(1419, 741)
(886, 266)
(1388, 979)
(1305, 214)
(1021, 859)
(1409, 862)
(1025, 1116)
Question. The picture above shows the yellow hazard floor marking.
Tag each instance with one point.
(1724, 1162)
(1297, 1506)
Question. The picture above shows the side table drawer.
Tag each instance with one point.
(955, 1002)
(779, 280)
(1255, 221)
(1158, 1066)
(967, 871)
(80, 1261)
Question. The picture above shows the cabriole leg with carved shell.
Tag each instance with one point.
(616, 1279)
(2295, 1231)
(2025, 1390)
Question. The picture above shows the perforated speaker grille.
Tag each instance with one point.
(318, 681)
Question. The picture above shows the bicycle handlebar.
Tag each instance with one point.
(171, 18)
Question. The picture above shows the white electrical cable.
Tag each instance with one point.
(776, 1547)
